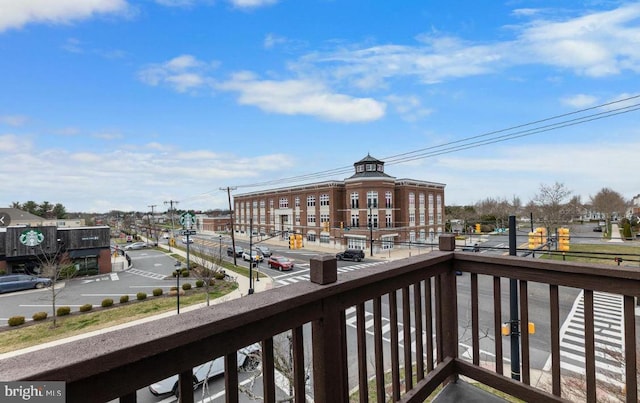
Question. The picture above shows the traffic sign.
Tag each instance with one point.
(188, 232)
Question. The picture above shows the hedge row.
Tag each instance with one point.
(107, 302)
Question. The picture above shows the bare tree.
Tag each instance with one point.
(207, 270)
(608, 202)
(551, 205)
(58, 267)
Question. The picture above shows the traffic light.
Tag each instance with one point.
(341, 224)
(563, 239)
(298, 241)
(537, 238)
(292, 242)
(478, 228)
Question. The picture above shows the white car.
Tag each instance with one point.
(248, 360)
(187, 240)
(257, 257)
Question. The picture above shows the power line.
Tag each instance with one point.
(468, 143)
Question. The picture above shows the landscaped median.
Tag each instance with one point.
(77, 322)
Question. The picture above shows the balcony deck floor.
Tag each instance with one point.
(462, 391)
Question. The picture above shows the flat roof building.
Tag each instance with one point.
(368, 210)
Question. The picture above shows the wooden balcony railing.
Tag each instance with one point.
(415, 299)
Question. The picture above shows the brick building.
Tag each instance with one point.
(369, 207)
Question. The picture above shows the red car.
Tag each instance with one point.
(280, 262)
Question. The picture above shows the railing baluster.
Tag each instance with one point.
(428, 321)
(395, 355)
(299, 374)
(439, 319)
(268, 375)
(524, 333)
(379, 352)
(363, 386)
(589, 346)
(230, 379)
(630, 352)
(129, 398)
(185, 383)
(475, 327)
(497, 323)
(406, 327)
(554, 307)
(417, 303)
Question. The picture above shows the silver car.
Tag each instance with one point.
(248, 360)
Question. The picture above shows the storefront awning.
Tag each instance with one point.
(84, 252)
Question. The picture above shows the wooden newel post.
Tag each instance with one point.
(447, 242)
(329, 334)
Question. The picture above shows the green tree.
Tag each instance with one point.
(59, 211)
(44, 209)
(30, 207)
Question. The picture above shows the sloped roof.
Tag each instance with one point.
(20, 217)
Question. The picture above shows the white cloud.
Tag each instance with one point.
(182, 73)
(246, 4)
(409, 107)
(585, 44)
(579, 101)
(271, 40)
(13, 120)
(15, 14)
(133, 177)
(10, 143)
(300, 97)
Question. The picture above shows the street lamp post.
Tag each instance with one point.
(370, 229)
(177, 265)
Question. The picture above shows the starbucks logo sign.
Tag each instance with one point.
(31, 237)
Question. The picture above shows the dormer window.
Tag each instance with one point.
(371, 167)
(380, 168)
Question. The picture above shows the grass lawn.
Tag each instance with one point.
(34, 333)
(598, 253)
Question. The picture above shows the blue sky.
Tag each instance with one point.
(120, 104)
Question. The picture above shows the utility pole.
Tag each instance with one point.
(153, 216)
(231, 215)
(513, 306)
(171, 203)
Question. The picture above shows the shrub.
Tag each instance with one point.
(173, 289)
(85, 308)
(219, 275)
(39, 316)
(626, 230)
(186, 286)
(63, 311)
(157, 292)
(199, 283)
(141, 295)
(16, 321)
(175, 273)
(107, 302)
(67, 272)
(124, 299)
(185, 273)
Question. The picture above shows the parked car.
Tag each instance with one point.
(597, 229)
(248, 360)
(18, 282)
(187, 240)
(239, 251)
(351, 254)
(280, 262)
(255, 256)
(264, 251)
(474, 248)
(165, 235)
(135, 245)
